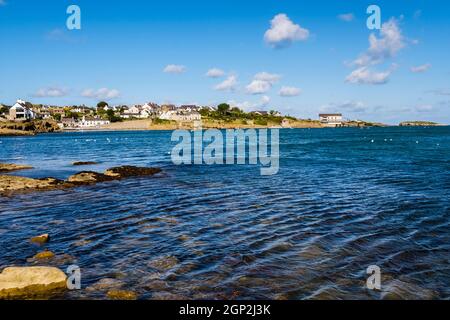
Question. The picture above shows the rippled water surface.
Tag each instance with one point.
(344, 199)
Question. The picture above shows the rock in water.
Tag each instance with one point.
(44, 255)
(15, 183)
(121, 295)
(131, 171)
(43, 238)
(84, 163)
(31, 282)
(88, 177)
(7, 167)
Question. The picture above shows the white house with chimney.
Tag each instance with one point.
(21, 112)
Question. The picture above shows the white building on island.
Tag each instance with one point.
(331, 119)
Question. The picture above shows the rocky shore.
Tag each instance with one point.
(12, 184)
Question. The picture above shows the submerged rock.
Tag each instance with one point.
(44, 255)
(8, 167)
(43, 238)
(164, 263)
(31, 282)
(84, 163)
(121, 295)
(401, 290)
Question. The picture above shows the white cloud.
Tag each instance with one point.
(421, 69)
(50, 92)
(283, 32)
(389, 43)
(268, 77)
(262, 82)
(102, 93)
(175, 69)
(347, 17)
(289, 92)
(364, 75)
(258, 87)
(229, 84)
(380, 49)
(215, 73)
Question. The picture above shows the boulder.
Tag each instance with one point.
(8, 167)
(31, 282)
(43, 238)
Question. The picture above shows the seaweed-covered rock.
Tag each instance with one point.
(31, 282)
(131, 171)
(88, 177)
(84, 163)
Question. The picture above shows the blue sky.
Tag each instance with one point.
(299, 57)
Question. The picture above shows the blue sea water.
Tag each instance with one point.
(344, 199)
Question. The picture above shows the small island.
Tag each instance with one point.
(419, 124)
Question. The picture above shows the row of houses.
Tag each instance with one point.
(85, 122)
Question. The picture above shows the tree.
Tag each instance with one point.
(101, 105)
(223, 108)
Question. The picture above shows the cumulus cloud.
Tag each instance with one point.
(289, 92)
(347, 17)
(174, 69)
(262, 82)
(364, 75)
(268, 77)
(390, 42)
(215, 73)
(102, 93)
(421, 68)
(50, 92)
(382, 48)
(229, 84)
(284, 32)
(258, 87)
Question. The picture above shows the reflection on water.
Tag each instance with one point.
(339, 204)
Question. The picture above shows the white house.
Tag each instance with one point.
(21, 112)
(133, 112)
(181, 116)
(89, 122)
(331, 119)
